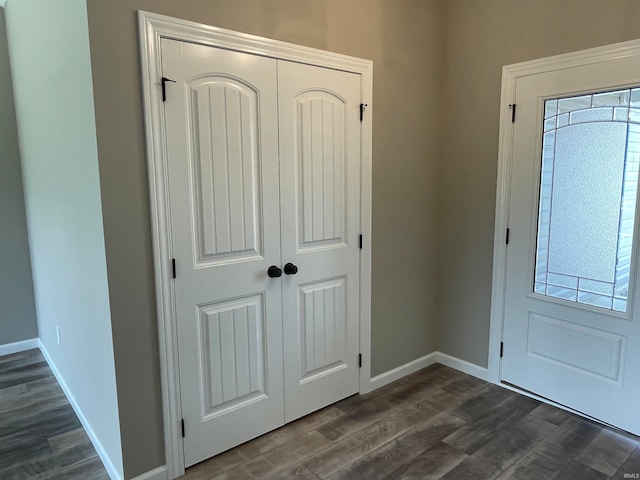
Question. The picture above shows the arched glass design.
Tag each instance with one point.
(588, 190)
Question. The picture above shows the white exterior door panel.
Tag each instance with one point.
(320, 186)
(582, 356)
(221, 118)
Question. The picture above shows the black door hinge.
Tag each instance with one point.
(173, 267)
(359, 360)
(506, 240)
(164, 87)
(501, 349)
(512, 106)
(182, 424)
(360, 242)
(362, 107)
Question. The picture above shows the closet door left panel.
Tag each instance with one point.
(222, 149)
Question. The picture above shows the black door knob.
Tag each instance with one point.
(290, 269)
(274, 272)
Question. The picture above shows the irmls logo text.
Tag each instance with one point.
(631, 475)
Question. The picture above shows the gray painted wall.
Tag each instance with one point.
(49, 51)
(481, 37)
(404, 40)
(18, 312)
(437, 71)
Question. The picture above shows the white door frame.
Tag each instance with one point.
(510, 75)
(153, 27)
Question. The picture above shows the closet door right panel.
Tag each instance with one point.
(320, 227)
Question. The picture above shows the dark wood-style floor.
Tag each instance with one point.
(435, 424)
(40, 435)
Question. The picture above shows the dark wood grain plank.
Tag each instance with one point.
(481, 404)
(510, 444)
(472, 469)
(68, 439)
(23, 374)
(87, 470)
(47, 423)
(431, 464)
(279, 458)
(40, 435)
(382, 462)
(247, 451)
(553, 453)
(366, 440)
(477, 433)
(12, 456)
(297, 472)
(578, 471)
(368, 413)
(551, 414)
(407, 390)
(630, 468)
(608, 451)
(13, 391)
(20, 358)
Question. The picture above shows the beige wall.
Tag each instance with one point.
(403, 38)
(437, 68)
(481, 37)
(18, 313)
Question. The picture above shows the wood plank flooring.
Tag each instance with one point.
(40, 435)
(435, 424)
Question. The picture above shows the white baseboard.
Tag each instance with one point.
(159, 473)
(16, 347)
(403, 370)
(422, 362)
(464, 366)
(106, 461)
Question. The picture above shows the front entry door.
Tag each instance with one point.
(571, 312)
(257, 349)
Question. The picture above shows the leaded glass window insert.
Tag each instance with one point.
(588, 190)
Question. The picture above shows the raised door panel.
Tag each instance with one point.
(233, 355)
(324, 329)
(225, 169)
(320, 120)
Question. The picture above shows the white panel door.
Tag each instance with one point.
(221, 123)
(571, 313)
(320, 216)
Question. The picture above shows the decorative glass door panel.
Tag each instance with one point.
(587, 201)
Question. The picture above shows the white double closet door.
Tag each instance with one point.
(264, 171)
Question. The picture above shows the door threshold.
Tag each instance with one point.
(548, 401)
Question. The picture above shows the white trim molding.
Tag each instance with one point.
(159, 473)
(510, 76)
(152, 28)
(403, 370)
(104, 457)
(16, 347)
(426, 360)
(464, 366)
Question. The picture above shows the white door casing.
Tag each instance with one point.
(319, 178)
(221, 120)
(591, 370)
